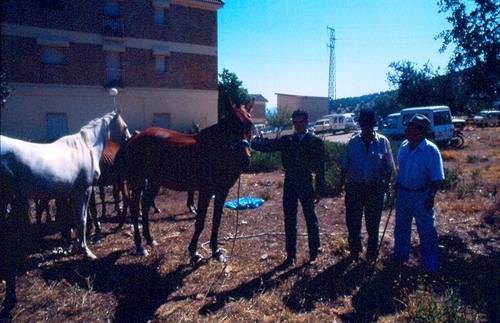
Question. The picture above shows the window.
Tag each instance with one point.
(160, 64)
(161, 120)
(53, 56)
(113, 69)
(160, 6)
(113, 24)
(159, 16)
(57, 126)
(441, 118)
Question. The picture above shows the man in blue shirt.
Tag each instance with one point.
(420, 174)
(366, 170)
(302, 154)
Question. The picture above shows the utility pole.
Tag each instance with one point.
(331, 78)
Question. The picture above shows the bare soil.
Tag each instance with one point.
(251, 286)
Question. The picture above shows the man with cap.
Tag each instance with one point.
(366, 170)
(420, 174)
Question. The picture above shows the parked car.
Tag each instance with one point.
(268, 132)
(487, 118)
(322, 126)
(442, 129)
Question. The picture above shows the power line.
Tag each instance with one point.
(331, 78)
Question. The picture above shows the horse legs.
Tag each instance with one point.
(218, 206)
(116, 198)
(190, 202)
(102, 196)
(203, 202)
(148, 199)
(82, 201)
(92, 212)
(134, 214)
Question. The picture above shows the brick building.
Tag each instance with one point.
(315, 106)
(63, 56)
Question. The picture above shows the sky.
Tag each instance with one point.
(282, 46)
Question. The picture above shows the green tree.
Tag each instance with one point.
(281, 117)
(476, 35)
(420, 87)
(230, 86)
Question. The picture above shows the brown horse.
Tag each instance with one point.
(209, 162)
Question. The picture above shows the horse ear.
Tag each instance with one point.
(249, 106)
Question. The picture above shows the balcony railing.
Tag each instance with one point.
(113, 27)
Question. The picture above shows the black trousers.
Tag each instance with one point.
(294, 191)
(368, 199)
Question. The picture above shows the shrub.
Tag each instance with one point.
(269, 162)
(471, 159)
(451, 178)
(264, 162)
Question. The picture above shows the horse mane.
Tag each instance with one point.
(94, 125)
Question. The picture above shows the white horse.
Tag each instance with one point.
(66, 168)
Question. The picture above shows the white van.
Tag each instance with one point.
(337, 122)
(394, 125)
(350, 124)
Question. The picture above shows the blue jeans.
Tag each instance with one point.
(410, 205)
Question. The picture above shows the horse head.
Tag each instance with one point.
(239, 124)
(118, 129)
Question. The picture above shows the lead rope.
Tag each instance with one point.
(234, 241)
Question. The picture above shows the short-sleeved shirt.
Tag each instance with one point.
(368, 164)
(420, 166)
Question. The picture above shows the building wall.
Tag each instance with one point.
(186, 91)
(316, 107)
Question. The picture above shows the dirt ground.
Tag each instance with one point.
(122, 287)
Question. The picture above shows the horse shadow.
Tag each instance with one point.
(139, 288)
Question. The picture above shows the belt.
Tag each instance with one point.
(414, 190)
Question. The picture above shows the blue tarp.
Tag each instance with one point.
(244, 203)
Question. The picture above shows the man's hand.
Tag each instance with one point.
(429, 202)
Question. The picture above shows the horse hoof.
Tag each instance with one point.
(90, 256)
(196, 258)
(152, 243)
(157, 210)
(192, 209)
(217, 255)
(141, 251)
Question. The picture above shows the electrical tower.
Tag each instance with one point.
(331, 78)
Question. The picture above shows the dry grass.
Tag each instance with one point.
(250, 287)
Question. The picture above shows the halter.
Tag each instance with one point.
(241, 141)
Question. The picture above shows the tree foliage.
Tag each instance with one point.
(476, 35)
(230, 86)
(422, 87)
(281, 117)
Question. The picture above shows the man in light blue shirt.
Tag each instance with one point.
(366, 170)
(420, 175)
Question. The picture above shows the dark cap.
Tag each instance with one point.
(367, 118)
(422, 121)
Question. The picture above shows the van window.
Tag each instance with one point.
(441, 118)
(390, 122)
(407, 118)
